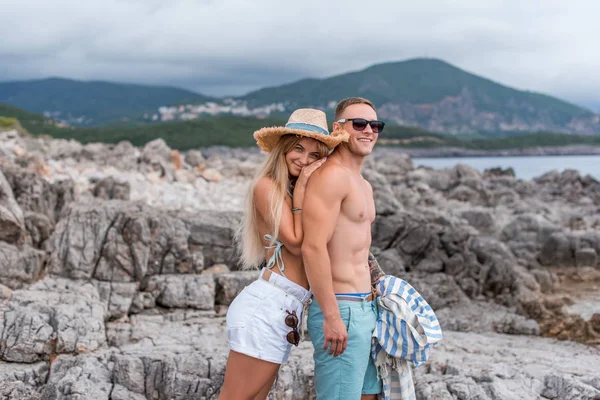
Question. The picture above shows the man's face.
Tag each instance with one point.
(361, 142)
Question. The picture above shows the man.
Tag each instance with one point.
(338, 212)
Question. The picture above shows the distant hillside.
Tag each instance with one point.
(7, 110)
(218, 131)
(237, 132)
(437, 96)
(34, 123)
(185, 135)
(92, 103)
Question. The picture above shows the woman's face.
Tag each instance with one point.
(304, 153)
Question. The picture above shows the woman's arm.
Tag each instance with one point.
(291, 233)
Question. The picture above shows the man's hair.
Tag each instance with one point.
(342, 105)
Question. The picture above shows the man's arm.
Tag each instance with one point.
(322, 203)
(375, 270)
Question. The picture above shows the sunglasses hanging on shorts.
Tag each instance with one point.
(360, 124)
(291, 320)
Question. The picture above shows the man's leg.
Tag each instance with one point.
(372, 384)
(335, 377)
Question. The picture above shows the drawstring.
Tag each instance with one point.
(277, 257)
(304, 317)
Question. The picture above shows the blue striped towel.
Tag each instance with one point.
(406, 330)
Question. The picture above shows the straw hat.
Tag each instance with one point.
(306, 122)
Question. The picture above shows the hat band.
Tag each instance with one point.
(306, 127)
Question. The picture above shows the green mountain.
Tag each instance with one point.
(437, 96)
(92, 103)
(426, 93)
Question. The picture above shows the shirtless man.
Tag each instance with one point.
(338, 212)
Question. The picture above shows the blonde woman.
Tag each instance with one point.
(263, 321)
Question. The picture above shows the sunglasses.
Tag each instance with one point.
(291, 320)
(359, 124)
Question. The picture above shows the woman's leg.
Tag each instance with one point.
(262, 395)
(246, 377)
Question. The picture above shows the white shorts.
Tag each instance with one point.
(256, 317)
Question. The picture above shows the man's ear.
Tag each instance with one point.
(336, 126)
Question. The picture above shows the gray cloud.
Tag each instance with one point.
(233, 46)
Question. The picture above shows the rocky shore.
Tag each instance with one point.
(117, 267)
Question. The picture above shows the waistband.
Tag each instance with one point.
(359, 297)
(285, 284)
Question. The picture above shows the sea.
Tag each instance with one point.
(527, 167)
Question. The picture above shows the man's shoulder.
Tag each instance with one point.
(330, 179)
(331, 171)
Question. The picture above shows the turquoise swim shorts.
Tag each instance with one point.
(353, 372)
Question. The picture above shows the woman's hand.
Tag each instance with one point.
(307, 172)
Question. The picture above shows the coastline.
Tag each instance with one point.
(442, 152)
(438, 152)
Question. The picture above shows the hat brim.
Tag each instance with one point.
(267, 138)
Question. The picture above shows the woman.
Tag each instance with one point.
(263, 321)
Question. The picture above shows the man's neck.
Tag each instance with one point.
(349, 160)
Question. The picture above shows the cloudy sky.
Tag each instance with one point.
(232, 46)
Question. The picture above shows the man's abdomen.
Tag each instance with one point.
(349, 253)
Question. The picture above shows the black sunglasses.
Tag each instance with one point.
(360, 124)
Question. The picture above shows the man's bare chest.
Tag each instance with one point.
(359, 206)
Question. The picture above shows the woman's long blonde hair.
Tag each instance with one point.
(249, 241)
